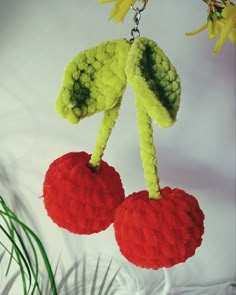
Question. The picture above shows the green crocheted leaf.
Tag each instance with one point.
(93, 81)
(154, 80)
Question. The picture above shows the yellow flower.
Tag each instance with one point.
(222, 26)
(227, 28)
(120, 9)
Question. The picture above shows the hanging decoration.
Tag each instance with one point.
(154, 228)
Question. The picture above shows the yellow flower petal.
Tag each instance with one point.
(120, 9)
(230, 12)
(211, 29)
(223, 36)
(214, 28)
(197, 31)
(232, 37)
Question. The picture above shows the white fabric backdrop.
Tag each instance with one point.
(37, 40)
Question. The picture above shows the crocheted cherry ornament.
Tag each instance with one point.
(154, 228)
(158, 227)
(81, 192)
(159, 233)
(79, 199)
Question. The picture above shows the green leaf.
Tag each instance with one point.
(154, 81)
(93, 81)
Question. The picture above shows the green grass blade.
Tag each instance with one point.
(66, 276)
(44, 257)
(11, 282)
(34, 268)
(104, 278)
(13, 231)
(47, 287)
(2, 255)
(93, 288)
(20, 257)
(12, 248)
(76, 281)
(9, 252)
(31, 236)
(111, 282)
(84, 276)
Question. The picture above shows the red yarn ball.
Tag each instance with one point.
(79, 199)
(159, 233)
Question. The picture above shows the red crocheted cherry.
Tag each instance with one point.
(159, 233)
(79, 199)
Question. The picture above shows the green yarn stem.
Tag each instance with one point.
(107, 125)
(148, 152)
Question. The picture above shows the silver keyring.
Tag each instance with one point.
(140, 9)
(135, 33)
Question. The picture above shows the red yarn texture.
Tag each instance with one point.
(78, 199)
(159, 233)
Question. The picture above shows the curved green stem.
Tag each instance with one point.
(107, 125)
(148, 152)
(28, 268)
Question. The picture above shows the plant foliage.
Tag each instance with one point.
(26, 250)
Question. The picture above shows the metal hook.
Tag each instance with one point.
(135, 31)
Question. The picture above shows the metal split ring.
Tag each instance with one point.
(137, 9)
(135, 31)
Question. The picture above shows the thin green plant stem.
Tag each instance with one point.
(54, 275)
(28, 258)
(111, 282)
(93, 288)
(9, 252)
(17, 251)
(12, 230)
(45, 260)
(30, 236)
(36, 271)
(19, 256)
(39, 244)
(12, 248)
(104, 279)
(84, 276)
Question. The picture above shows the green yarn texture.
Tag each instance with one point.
(95, 81)
(108, 122)
(148, 151)
(157, 89)
(154, 80)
